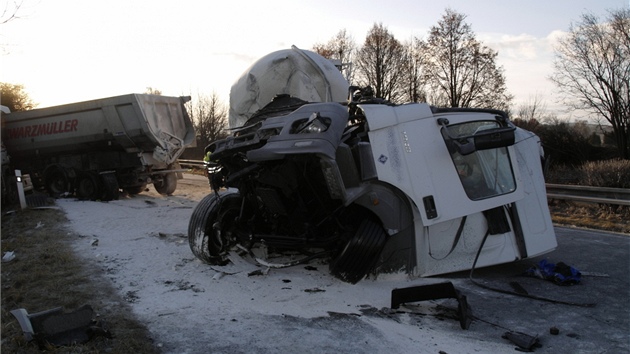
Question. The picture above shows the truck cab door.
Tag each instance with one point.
(449, 164)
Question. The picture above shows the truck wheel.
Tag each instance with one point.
(57, 181)
(111, 190)
(167, 184)
(211, 230)
(88, 186)
(360, 253)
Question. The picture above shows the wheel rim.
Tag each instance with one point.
(223, 232)
(88, 187)
(167, 184)
(212, 227)
(57, 182)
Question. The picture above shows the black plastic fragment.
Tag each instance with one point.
(60, 328)
(434, 292)
(525, 342)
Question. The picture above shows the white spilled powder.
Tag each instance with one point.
(192, 307)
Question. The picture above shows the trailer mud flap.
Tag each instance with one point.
(434, 292)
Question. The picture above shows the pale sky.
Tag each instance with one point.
(65, 51)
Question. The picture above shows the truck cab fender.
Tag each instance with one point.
(392, 207)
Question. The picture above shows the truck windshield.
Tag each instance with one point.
(483, 173)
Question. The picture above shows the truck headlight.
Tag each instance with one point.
(313, 125)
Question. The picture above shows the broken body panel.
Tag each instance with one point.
(411, 153)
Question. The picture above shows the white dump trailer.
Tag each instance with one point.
(96, 148)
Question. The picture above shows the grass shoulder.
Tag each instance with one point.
(46, 273)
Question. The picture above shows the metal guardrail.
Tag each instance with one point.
(191, 163)
(586, 194)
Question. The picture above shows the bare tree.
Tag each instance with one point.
(534, 108)
(380, 63)
(153, 91)
(15, 98)
(592, 70)
(459, 71)
(412, 83)
(209, 117)
(10, 11)
(340, 49)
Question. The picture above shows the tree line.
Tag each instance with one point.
(452, 68)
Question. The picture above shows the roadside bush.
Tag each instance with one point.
(563, 174)
(609, 173)
(564, 144)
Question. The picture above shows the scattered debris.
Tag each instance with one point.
(132, 296)
(39, 225)
(525, 342)
(8, 256)
(561, 273)
(518, 288)
(554, 330)
(434, 292)
(60, 328)
(94, 243)
(314, 290)
(258, 272)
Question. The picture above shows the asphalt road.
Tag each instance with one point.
(604, 260)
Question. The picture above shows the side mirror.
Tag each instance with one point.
(482, 139)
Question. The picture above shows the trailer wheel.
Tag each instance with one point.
(88, 186)
(111, 190)
(211, 230)
(57, 181)
(360, 253)
(167, 184)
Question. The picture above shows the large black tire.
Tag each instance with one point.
(360, 254)
(212, 225)
(57, 181)
(111, 190)
(167, 184)
(88, 186)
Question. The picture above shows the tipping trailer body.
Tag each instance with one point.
(123, 142)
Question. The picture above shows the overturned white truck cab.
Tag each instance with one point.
(372, 186)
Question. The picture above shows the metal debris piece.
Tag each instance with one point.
(59, 328)
(434, 292)
(314, 290)
(8, 256)
(518, 288)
